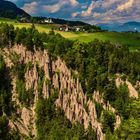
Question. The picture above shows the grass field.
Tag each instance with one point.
(39, 27)
(130, 39)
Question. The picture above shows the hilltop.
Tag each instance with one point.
(10, 10)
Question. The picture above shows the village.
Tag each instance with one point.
(61, 26)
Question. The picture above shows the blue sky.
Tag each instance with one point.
(91, 11)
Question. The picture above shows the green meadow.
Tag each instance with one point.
(132, 40)
(128, 39)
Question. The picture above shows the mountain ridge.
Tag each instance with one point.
(127, 26)
(10, 10)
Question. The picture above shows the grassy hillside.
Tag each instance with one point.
(40, 27)
(130, 39)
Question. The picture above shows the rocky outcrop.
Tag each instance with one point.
(26, 122)
(132, 91)
(71, 98)
(106, 106)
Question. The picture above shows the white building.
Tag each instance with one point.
(78, 29)
(49, 20)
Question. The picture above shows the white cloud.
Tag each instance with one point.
(96, 10)
(96, 15)
(74, 2)
(94, 5)
(59, 4)
(112, 10)
(31, 8)
(126, 5)
(75, 14)
(54, 8)
(88, 12)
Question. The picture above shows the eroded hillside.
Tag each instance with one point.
(41, 76)
(54, 88)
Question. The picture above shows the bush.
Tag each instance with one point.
(108, 121)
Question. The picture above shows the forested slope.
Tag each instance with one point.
(10, 10)
(54, 88)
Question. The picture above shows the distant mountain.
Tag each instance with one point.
(10, 10)
(108, 26)
(128, 26)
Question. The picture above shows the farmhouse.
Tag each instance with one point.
(49, 20)
(65, 28)
(24, 20)
(78, 29)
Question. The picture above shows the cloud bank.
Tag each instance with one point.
(92, 11)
